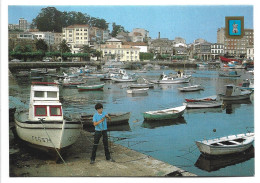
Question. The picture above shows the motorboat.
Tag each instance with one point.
(174, 79)
(233, 92)
(43, 125)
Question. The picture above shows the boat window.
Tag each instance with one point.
(38, 94)
(40, 110)
(51, 94)
(55, 111)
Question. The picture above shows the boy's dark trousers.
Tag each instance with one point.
(97, 137)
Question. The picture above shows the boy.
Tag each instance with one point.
(100, 123)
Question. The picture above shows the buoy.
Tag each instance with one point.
(214, 130)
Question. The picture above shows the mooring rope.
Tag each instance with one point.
(41, 120)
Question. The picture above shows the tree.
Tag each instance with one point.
(41, 45)
(49, 19)
(116, 29)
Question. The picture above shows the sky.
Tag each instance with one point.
(186, 21)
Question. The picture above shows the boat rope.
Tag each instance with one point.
(41, 120)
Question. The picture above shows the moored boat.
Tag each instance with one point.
(90, 87)
(204, 99)
(203, 104)
(230, 74)
(175, 79)
(116, 119)
(43, 126)
(139, 90)
(226, 145)
(247, 85)
(233, 92)
(171, 113)
(191, 88)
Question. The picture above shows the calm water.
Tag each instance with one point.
(169, 141)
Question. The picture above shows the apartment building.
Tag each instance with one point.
(116, 50)
(76, 36)
(48, 37)
(217, 49)
(236, 47)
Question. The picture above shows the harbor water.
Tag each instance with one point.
(170, 141)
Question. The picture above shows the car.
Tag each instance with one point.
(15, 60)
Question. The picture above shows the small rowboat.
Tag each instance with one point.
(191, 88)
(205, 99)
(171, 113)
(203, 104)
(144, 85)
(90, 87)
(116, 119)
(226, 145)
(139, 90)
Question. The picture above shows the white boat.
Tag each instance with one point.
(43, 126)
(125, 78)
(203, 104)
(142, 85)
(164, 79)
(139, 90)
(247, 85)
(233, 92)
(191, 88)
(226, 145)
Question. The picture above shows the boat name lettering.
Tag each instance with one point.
(41, 139)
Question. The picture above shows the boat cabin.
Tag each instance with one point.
(44, 102)
(232, 90)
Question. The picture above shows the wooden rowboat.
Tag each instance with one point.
(191, 88)
(90, 87)
(139, 90)
(203, 104)
(116, 119)
(171, 113)
(226, 145)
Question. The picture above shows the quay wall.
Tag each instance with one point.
(29, 65)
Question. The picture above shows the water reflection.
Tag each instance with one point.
(204, 110)
(210, 164)
(156, 124)
(230, 106)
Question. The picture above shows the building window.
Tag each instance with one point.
(70, 31)
(51, 94)
(38, 94)
(85, 37)
(77, 29)
(77, 37)
(40, 110)
(55, 111)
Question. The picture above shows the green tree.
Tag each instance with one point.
(117, 29)
(41, 45)
(49, 19)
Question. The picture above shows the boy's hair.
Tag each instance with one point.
(98, 106)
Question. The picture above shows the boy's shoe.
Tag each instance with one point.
(92, 161)
(111, 160)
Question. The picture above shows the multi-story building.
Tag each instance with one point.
(139, 35)
(26, 35)
(116, 50)
(76, 36)
(48, 37)
(23, 24)
(57, 38)
(203, 51)
(13, 26)
(178, 40)
(236, 47)
(250, 53)
(143, 46)
(161, 46)
(221, 35)
(217, 50)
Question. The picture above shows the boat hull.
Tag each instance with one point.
(163, 114)
(237, 97)
(207, 148)
(116, 119)
(135, 91)
(90, 87)
(195, 105)
(190, 89)
(175, 81)
(48, 135)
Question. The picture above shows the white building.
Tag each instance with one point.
(48, 37)
(76, 36)
(217, 50)
(250, 53)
